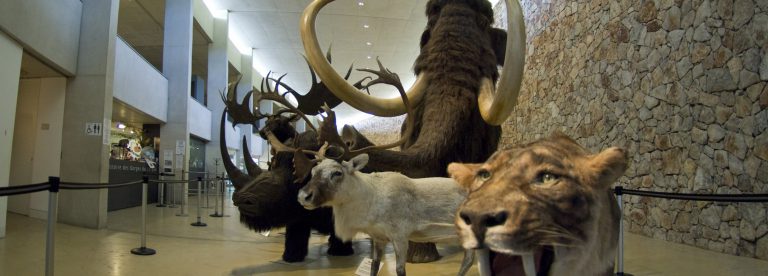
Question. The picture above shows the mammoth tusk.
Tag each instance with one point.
(496, 103)
(337, 85)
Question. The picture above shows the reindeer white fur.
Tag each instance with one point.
(387, 206)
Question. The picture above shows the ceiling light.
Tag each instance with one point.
(365, 26)
(368, 43)
(120, 125)
(369, 57)
(360, 3)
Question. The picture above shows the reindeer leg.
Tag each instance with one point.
(377, 251)
(401, 250)
(466, 263)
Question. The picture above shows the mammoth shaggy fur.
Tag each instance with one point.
(458, 48)
(267, 199)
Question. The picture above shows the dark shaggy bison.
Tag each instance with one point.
(457, 103)
(267, 199)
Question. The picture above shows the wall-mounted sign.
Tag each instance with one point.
(179, 161)
(180, 147)
(168, 161)
(94, 129)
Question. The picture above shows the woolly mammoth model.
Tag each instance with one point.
(459, 97)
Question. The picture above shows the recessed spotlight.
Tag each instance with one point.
(369, 57)
(366, 26)
(360, 3)
(368, 43)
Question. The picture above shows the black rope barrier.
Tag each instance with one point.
(85, 186)
(619, 190)
(24, 189)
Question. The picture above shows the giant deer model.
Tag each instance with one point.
(459, 97)
(267, 199)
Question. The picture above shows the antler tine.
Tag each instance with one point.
(275, 96)
(280, 147)
(409, 118)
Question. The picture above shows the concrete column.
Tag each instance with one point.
(218, 73)
(177, 68)
(246, 84)
(85, 158)
(10, 68)
(266, 108)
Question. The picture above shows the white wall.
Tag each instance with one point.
(10, 55)
(138, 84)
(49, 29)
(203, 17)
(199, 120)
(234, 56)
(37, 140)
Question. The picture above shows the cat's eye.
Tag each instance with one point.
(547, 178)
(483, 175)
(335, 174)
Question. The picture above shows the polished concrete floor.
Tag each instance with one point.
(224, 247)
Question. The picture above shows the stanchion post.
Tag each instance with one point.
(619, 191)
(223, 190)
(205, 191)
(161, 191)
(216, 185)
(199, 223)
(172, 195)
(184, 210)
(53, 203)
(144, 250)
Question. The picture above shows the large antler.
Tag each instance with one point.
(311, 103)
(274, 95)
(240, 113)
(328, 131)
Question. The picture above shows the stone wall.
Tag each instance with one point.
(681, 84)
(381, 130)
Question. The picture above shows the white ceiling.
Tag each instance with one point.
(271, 28)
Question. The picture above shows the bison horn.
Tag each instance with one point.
(251, 166)
(339, 86)
(239, 179)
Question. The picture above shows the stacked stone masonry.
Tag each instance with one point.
(681, 84)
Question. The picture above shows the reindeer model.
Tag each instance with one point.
(387, 206)
(457, 104)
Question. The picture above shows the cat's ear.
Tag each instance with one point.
(607, 166)
(463, 173)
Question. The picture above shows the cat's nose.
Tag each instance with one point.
(481, 221)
